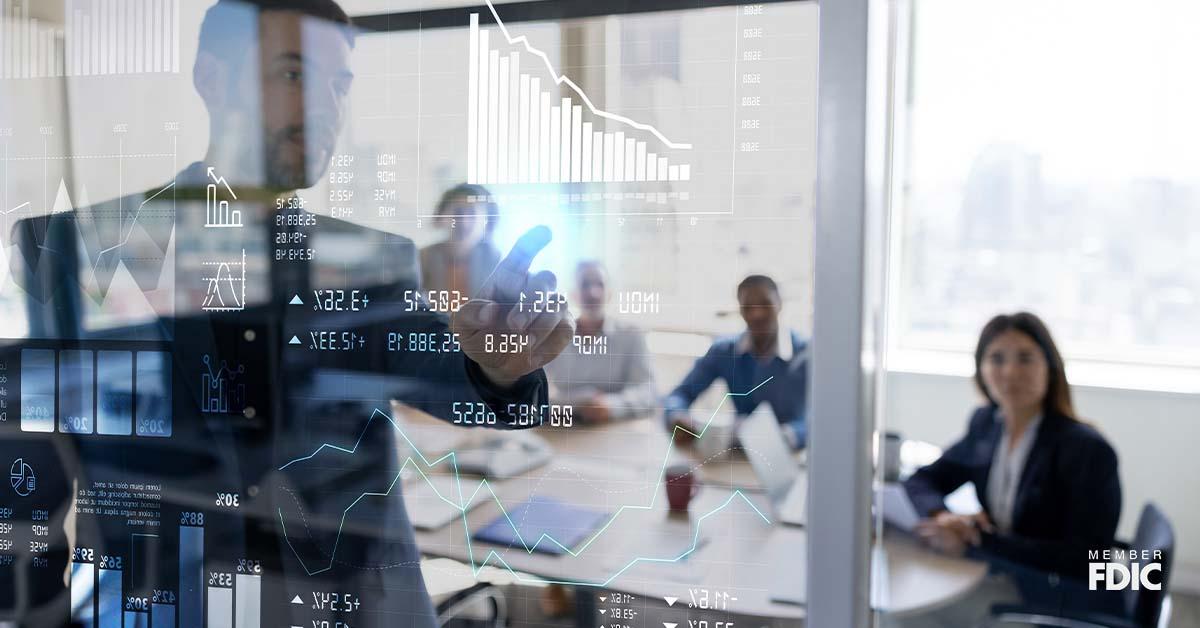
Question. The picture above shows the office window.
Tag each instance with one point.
(1049, 165)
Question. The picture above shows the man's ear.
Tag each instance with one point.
(211, 78)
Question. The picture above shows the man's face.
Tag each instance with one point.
(760, 308)
(305, 78)
(592, 289)
(296, 93)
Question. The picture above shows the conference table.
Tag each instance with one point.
(727, 541)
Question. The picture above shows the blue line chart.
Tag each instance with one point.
(492, 556)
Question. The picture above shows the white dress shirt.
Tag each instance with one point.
(1005, 477)
(621, 374)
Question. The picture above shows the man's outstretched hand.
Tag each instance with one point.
(506, 335)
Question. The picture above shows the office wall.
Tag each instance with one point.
(1155, 435)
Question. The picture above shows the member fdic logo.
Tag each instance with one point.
(1119, 569)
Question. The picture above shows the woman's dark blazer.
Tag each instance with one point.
(1068, 499)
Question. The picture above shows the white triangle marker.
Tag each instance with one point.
(671, 600)
(297, 600)
(294, 341)
(603, 597)
(62, 201)
(296, 301)
(602, 611)
(668, 624)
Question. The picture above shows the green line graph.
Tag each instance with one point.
(460, 505)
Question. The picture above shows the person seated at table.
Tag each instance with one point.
(744, 361)
(1048, 482)
(467, 256)
(605, 374)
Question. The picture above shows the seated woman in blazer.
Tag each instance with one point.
(1048, 483)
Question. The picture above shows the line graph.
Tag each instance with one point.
(225, 288)
(132, 223)
(491, 556)
(519, 133)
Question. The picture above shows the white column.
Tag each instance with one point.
(610, 158)
(576, 138)
(564, 165)
(556, 144)
(493, 114)
(619, 156)
(586, 169)
(630, 159)
(535, 129)
(598, 156)
(482, 140)
(544, 139)
(639, 168)
(514, 107)
(502, 122)
(523, 130)
(473, 102)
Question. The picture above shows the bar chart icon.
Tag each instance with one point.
(217, 213)
(519, 131)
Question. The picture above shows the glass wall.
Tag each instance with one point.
(265, 263)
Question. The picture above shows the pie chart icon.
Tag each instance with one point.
(21, 477)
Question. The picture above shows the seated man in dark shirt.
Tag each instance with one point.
(763, 352)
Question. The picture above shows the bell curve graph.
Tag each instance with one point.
(519, 132)
(464, 501)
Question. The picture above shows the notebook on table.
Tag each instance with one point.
(542, 524)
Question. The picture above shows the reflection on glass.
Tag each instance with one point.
(265, 261)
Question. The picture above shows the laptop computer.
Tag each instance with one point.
(775, 467)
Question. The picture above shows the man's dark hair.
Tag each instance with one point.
(758, 280)
(231, 25)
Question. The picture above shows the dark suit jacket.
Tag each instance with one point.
(369, 549)
(1068, 499)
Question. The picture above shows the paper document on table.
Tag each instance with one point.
(434, 502)
(898, 509)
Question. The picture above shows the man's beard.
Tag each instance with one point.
(284, 174)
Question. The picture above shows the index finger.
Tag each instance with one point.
(510, 275)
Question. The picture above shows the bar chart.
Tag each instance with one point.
(96, 38)
(217, 213)
(101, 596)
(114, 393)
(519, 131)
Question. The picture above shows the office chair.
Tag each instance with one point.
(482, 605)
(1143, 608)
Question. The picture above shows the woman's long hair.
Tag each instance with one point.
(1058, 391)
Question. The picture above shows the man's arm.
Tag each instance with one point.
(704, 372)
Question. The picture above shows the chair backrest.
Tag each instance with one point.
(1154, 533)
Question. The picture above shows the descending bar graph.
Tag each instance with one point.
(96, 38)
(217, 213)
(518, 132)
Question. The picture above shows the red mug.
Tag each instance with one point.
(682, 486)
